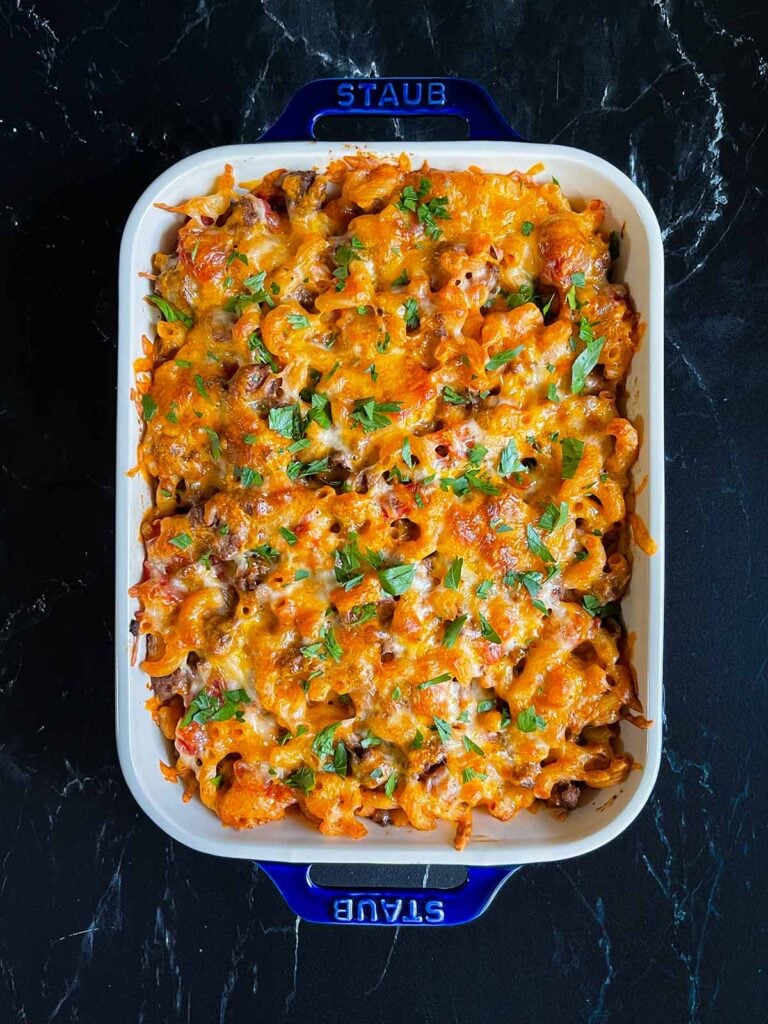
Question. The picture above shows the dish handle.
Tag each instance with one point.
(391, 97)
(393, 907)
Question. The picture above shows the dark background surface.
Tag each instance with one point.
(103, 917)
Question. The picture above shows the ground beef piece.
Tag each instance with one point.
(303, 192)
(166, 687)
(255, 573)
(565, 794)
(432, 769)
(245, 385)
(338, 471)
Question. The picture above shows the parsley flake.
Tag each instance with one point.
(506, 356)
(573, 449)
(397, 579)
(529, 721)
(452, 631)
(453, 576)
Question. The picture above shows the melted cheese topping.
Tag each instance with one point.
(389, 527)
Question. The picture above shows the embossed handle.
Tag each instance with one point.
(323, 904)
(390, 97)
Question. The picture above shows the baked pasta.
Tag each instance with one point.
(389, 530)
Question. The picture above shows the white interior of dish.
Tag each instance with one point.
(530, 837)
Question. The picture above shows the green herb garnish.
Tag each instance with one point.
(529, 721)
(169, 312)
(452, 631)
(573, 449)
(303, 778)
(397, 579)
(370, 414)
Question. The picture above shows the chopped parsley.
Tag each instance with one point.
(410, 202)
(443, 729)
(248, 477)
(409, 197)
(530, 580)
(554, 517)
(215, 443)
(509, 462)
(411, 314)
(401, 279)
(427, 212)
(471, 747)
(361, 613)
(397, 579)
(573, 449)
(526, 227)
(332, 645)
(452, 631)
(346, 254)
(339, 764)
(453, 397)
(506, 356)
(370, 739)
(370, 414)
(536, 545)
(298, 470)
(587, 360)
(391, 784)
(255, 294)
(169, 312)
(487, 631)
(597, 610)
(303, 778)
(444, 677)
(326, 646)
(322, 744)
(287, 421)
(499, 526)
(321, 410)
(472, 480)
(298, 321)
(523, 294)
(262, 353)
(148, 407)
(529, 721)
(469, 775)
(453, 576)
(200, 385)
(347, 564)
(484, 589)
(209, 708)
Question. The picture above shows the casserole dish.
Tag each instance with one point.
(496, 846)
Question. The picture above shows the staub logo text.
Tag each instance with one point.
(377, 909)
(395, 95)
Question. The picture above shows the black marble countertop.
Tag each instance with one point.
(102, 917)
